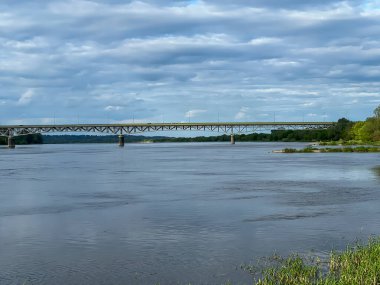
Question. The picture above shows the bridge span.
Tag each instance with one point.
(11, 131)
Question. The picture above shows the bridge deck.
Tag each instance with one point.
(130, 128)
(134, 128)
(176, 124)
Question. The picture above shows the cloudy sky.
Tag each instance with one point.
(157, 60)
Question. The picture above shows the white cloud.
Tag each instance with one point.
(36, 42)
(194, 113)
(309, 104)
(113, 108)
(26, 97)
(264, 41)
(242, 114)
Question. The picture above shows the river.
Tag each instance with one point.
(175, 213)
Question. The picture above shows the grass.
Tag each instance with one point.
(359, 264)
(336, 149)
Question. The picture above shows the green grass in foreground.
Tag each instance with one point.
(359, 264)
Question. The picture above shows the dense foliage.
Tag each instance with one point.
(28, 139)
(367, 131)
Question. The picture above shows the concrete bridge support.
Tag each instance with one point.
(232, 139)
(121, 140)
(11, 142)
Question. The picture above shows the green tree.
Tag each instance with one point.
(355, 131)
(368, 131)
(377, 112)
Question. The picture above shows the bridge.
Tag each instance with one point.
(11, 131)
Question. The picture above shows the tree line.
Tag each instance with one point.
(27, 139)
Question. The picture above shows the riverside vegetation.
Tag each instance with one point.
(358, 264)
(310, 149)
(27, 139)
(366, 134)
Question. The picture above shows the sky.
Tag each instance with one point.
(116, 61)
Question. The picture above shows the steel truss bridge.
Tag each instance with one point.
(231, 128)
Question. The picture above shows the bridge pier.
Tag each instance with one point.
(232, 139)
(121, 140)
(11, 142)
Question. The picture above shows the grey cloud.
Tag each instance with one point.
(284, 4)
(152, 57)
